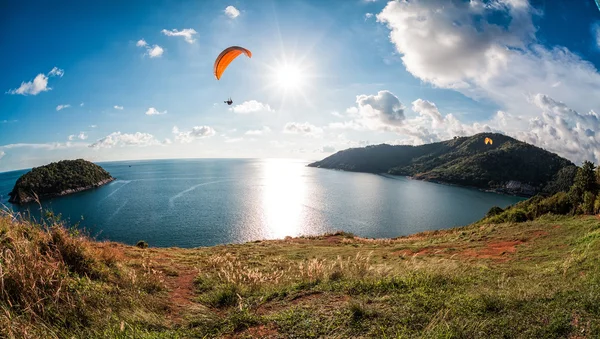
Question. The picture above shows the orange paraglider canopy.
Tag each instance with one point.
(226, 57)
(488, 140)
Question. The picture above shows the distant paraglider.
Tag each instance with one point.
(225, 58)
(488, 140)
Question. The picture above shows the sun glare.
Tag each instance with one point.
(289, 77)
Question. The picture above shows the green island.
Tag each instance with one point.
(531, 270)
(506, 166)
(58, 179)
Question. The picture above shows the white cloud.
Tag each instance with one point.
(93, 126)
(197, 132)
(46, 146)
(72, 137)
(251, 106)
(154, 111)
(186, 33)
(118, 139)
(301, 128)
(461, 46)
(2, 154)
(55, 71)
(81, 104)
(141, 43)
(596, 32)
(121, 108)
(368, 16)
(262, 131)
(327, 149)
(384, 106)
(38, 84)
(82, 136)
(155, 52)
(231, 12)
(59, 107)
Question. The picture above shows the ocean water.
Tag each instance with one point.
(204, 202)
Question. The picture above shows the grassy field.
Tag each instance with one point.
(538, 279)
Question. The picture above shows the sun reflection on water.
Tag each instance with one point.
(282, 196)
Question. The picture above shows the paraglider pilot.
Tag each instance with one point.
(228, 102)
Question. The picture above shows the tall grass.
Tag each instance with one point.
(55, 281)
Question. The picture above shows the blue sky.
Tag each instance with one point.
(358, 72)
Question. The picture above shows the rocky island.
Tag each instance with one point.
(58, 179)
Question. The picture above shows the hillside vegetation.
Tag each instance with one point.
(466, 161)
(581, 197)
(58, 178)
(536, 279)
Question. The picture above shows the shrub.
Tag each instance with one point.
(588, 202)
(516, 215)
(597, 205)
(142, 244)
(495, 210)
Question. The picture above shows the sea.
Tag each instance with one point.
(204, 202)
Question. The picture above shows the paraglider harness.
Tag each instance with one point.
(228, 102)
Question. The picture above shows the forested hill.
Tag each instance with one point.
(507, 164)
(58, 178)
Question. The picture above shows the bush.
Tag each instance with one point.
(142, 244)
(597, 205)
(588, 202)
(516, 215)
(556, 204)
(495, 210)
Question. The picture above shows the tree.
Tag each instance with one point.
(585, 179)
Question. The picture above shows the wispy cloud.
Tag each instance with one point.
(186, 33)
(7, 121)
(80, 136)
(154, 111)
(118, 107)
(59, 107)
(262, 131)
(93, 126)
(231, 12)
(197, 132)
(251, 106)
(81, 104)
(38, 84)
(118, 139)
(46, 146)
(301, 128)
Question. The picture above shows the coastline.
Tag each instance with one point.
(29, 199)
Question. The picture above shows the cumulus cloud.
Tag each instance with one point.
(59, 107)
(262, 131)
(231, 12)
(121, 108)
(301, 128)
(384, 106)
(563, 130)
(154, 111)
(38, 84)
(197, 132)
(81, 136)
(186, 33)
(118, 139)
(461, 46)
(336, 114)
(154, 52)
(251, 106)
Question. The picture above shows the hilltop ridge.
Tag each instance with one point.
(508, 165)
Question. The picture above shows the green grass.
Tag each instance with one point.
(534, 279)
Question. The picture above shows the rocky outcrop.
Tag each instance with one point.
(23, 198)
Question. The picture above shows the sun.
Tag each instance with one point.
(289, 76)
